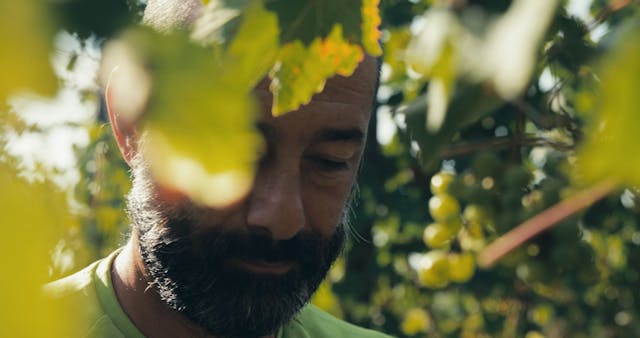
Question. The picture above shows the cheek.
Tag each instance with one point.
(324, 207)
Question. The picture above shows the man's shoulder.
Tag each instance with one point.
(318, 323)
(77, 285)
(81, 294)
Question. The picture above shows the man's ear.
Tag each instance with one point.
(124, 129)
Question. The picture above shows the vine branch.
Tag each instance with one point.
(544, 220)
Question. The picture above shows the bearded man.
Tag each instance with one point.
(248, 270)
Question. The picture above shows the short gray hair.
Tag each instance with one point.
(168, 15)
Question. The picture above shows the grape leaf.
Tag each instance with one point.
(307, 20)
(320, 39)
(301, 72)
(614, 133)
(370, 22)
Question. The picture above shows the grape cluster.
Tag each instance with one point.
(452, 237)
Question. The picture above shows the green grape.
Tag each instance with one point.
(435, 272)
(486, 163)
(461, 267)
(541, 314)
(474, 214)
(517, 177)
(444, 208)
(441, 181)
(533, 334)
(532, 271)
(438, 235)
(550, 188)
(477, 194)
(415, 320)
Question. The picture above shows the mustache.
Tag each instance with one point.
(213, 246)
(303, 247)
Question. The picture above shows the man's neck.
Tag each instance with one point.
(141, 303)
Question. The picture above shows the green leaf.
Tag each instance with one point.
(607, 152)
(468, 104)
(253, 51)
(301, 71)
(307, 20)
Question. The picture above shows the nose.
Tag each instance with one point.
(275, 203)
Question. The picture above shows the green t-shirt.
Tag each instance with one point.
(92, 292)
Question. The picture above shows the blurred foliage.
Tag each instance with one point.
(26, 31)
(467, 160)
(34, 213)
(504, 159)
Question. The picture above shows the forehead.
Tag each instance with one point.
(343, 102)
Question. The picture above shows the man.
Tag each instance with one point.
(248, 270)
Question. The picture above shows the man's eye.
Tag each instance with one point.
(331, 165)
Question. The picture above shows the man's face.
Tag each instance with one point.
(246, 270)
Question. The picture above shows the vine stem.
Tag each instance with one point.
(545, 220)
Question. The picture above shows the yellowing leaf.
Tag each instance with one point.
(608, 153)
(25, 37)
(370, 23)
(301, 72)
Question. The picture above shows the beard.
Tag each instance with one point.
(187, 262)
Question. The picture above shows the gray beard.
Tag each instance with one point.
(189, 273)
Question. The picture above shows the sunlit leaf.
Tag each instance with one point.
(253, 50)
(433, 44)
(510, 51)
(432, 54)
(615, 131)
(25, 36)
(31, 215)
(394, 47)
(198, 123)
(370, 23)
(302, 71)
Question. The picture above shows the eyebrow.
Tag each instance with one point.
(354, 135)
